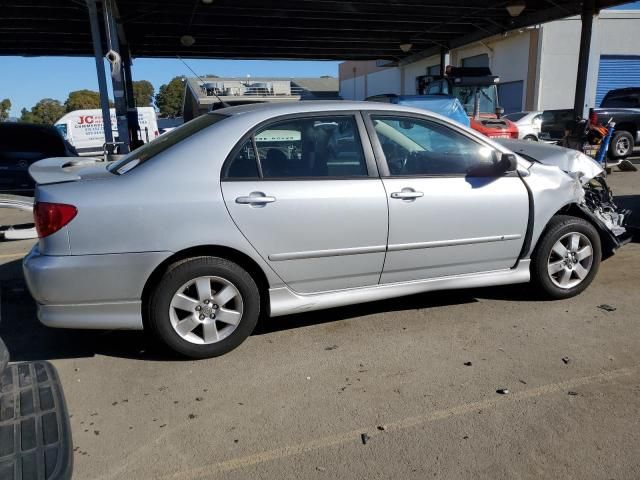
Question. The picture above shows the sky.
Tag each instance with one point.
(25, 80)
(33, 78)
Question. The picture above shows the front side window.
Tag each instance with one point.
(306, 148)
(415, 147)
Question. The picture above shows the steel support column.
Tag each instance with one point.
(117, 74)
(102, 78)
(136, 136)
(443, 60)
(588, 11)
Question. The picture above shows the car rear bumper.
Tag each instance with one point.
(90, 291)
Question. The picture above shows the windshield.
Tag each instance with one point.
(163, 142)
(466, 95)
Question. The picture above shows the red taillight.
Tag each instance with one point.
(51, 217)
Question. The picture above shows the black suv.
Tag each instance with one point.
(22, 144)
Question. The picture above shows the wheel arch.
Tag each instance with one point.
(607, 241)
(630, 127)
(236, 256)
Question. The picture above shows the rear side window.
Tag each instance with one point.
(244, 163)
(163, 142)
(308, 147)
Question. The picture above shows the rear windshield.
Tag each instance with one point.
(163, 142)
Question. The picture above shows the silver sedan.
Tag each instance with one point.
(276, 209)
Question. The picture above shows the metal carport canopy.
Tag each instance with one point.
(301, 29)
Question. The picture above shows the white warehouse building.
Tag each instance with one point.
(537, 66)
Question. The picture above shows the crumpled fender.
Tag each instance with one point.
(551, 190)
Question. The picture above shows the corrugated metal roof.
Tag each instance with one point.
(311, 29)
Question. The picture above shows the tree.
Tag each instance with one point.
(5, 108)
(81, 100)
(143, 93)
(169, 98)
(47, 111)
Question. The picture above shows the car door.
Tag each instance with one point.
(448, 214)
(305, 192)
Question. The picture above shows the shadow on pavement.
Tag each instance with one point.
(631, 202)
(27, 339)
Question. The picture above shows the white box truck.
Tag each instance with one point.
(84, 129)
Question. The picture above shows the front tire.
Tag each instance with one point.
(531, 138)
(567, 257)
(621, 145)
(204, 307)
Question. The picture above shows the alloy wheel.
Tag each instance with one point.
(622, 146)
(206, 310)
(570, 260)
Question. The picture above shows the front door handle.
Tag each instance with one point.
(407, 194)
(256, 198)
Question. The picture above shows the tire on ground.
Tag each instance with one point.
(621, 136)
(186, 270)
(558, 227)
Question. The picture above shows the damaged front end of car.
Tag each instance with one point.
(593, 197)
(598, 205)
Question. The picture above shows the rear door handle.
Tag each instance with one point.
(407, 194)
(256, 198)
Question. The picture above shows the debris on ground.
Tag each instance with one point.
(502, 391)
(607, 308)
(522, 382)
(466, 437)
(192, 416)
(331, 347)
(365, 438)
(566, 360)
(468, 364)
(382, 428)
(571, 392)
(321, 469)
(198, 399)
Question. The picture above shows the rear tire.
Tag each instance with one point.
(567, 257)
(621, 145)
(204, 307)
(531, 138)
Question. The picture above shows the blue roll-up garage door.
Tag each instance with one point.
(617, 71)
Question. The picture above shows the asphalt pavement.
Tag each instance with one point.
(399, 389)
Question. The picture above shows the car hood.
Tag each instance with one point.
(570, 161)
(68, 169)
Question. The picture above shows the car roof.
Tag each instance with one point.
(257, 113)
(310, 106)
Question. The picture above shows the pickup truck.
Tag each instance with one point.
(622, 106)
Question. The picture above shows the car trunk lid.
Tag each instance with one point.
(68, 169)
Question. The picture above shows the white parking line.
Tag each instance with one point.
(354, 435)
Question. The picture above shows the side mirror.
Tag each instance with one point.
(508, 162)
(499, 111)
